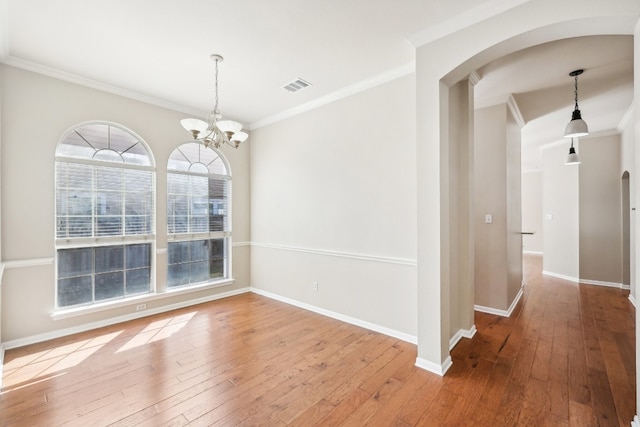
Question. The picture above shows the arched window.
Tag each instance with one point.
(199, 230)
(105, 217)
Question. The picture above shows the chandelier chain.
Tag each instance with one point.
(216, 106)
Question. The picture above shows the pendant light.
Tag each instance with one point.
(576, 127)
(572, 158)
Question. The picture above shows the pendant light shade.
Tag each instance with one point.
(572, 158)
(576, 127)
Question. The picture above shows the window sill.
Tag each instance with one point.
(110, 305)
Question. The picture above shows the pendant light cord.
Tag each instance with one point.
(576, 91)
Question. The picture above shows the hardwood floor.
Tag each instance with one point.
(565, 357)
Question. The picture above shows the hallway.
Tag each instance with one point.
(566, 356)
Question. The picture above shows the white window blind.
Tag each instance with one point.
(94, 201)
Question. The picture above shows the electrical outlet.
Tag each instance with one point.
(140, 307)
(315, 286)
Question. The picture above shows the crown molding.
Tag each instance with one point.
(515, 110)
(470, 17)
(94, 84)
(626, 118)
(335, 96)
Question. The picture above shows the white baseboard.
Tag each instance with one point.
(607, 284)
(633, 301)
(561, 276)
(635, 422)
(498, 312)
(586, 281)
(111, 321)
(462, 333)
(434, 367)
(537, 253)
(347, 319)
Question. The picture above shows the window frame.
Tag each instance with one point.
(225, 234)
(98, 241)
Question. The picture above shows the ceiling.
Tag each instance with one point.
(158, 51)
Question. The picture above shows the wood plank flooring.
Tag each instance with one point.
(566, 357)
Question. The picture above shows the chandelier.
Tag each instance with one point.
(215, 132)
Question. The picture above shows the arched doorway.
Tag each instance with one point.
(459, 54)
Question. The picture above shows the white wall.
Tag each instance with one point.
(333, 202)
(498, 254)
(600, 210)
(27, 167)
(491, 199)
(532, 212)
(560, 207)
(582, 211)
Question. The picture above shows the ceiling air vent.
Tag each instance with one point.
(296, 85)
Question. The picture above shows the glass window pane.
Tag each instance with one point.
(217, 223)
(137, 225)
(74, 291)
(137, 181)
(217, 248)
(108, 226)
(138, 281)
(96, 135)
(138, 256)
(109, 178)
(108, 156)
(199, 224)
(177, 183)
(178, 275)
(109, 203)
(109, 285)
(179, 205)
(199, 250)
(84, 141)
(178, 252)
(137, 155)
(199, 271)
(121, 140)
(75, 262)
(178, 224)
(137, 203)
(216, 267)
(79, 226)
(109, 258)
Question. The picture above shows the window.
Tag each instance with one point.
(197, 216)
(104, 215)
